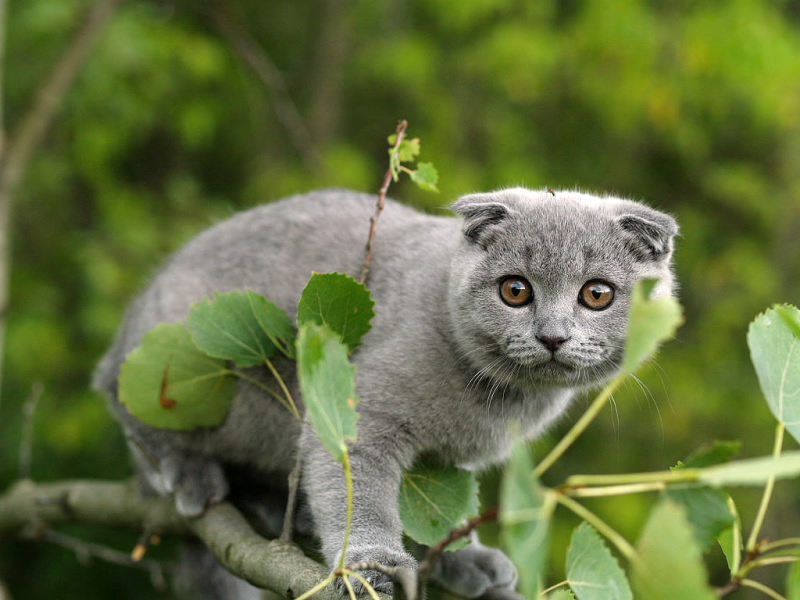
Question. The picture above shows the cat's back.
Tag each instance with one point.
(271, 249)
(322, 227)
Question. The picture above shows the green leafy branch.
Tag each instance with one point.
(694, 511)
(401, 150)
(404, 150)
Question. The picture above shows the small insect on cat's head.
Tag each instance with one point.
(541, 284)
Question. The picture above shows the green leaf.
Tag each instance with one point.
(670, 563)
(752, 471)
(408, 150)
(592, 571)
(435, 500)
(707, 512)
(169, 382)
(650, 322)
(327, 380)
(561, 594)
(243, 327)
(791, 316)
(525, 515)
(425, 176)
(731, 541)
(706, 508)
(341, 303)
(708, 455)
(275, 322)
(775, 350)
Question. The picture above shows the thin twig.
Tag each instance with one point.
(3, 27)
(4, 593)
(434, 552)
(16, 154)
(275, 565)
(373, 222)
(147, 538)
(26, 445)
(49, 96)
(88, 550)
(291, 501)
(254, 56)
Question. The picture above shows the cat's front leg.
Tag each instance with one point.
(376, 534)
(195, 481)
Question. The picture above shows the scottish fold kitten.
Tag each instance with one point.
(499, 316)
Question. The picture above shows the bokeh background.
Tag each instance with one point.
(188, 111)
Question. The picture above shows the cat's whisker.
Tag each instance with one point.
(615, 421)
(651, 399)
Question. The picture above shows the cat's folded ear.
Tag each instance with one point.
(483, 216)
(650, 232)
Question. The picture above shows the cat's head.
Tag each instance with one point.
(541, 283)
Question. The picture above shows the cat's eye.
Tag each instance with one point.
(596, 295)
(516, 291)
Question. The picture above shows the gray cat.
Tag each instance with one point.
(500, 316)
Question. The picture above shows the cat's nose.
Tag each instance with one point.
(551, 342)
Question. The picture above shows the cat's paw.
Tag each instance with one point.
(195, 481)
(379, 580)
(475, 571)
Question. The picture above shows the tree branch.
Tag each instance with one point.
(88, 550)
(3, 19)
(16, 153)
(272, 564)
(260, 63)
(373, 221)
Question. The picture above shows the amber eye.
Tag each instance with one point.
(596, 295)
(516, 291)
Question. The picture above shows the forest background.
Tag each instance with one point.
(188, 111)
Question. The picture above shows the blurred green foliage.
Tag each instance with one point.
(693, 106)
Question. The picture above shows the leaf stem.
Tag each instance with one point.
(624, 547)
(762, 588)
(752, 541)
(579, 427)
(554, 587)
(284, 388)
(348, 474)
(367, 586)
(349, 586)
(773, 560)
(317, 588)
(662, 477)
(263, 387)
(779, 544)
(614, 490)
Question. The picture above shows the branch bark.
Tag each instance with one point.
(272, 564)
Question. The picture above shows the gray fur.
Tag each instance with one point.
(447, 365)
